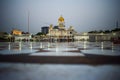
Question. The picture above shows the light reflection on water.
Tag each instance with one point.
(20, 71)
(85, 44)
(9, 46)
(24, 71)
(20, 46)
(85, 47)
(102, 46)
(41, 45)
(112, 47)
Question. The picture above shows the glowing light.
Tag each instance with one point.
(84, 44)
(20, 46)
(48, 46)
(41, 45)
(31, 46)
(102, 46)
(56, 48)
(114, 34)
(9, 46)
(66, 49)
(112, 47)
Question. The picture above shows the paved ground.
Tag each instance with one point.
(87, 59)
(65, 53)
(63, 61)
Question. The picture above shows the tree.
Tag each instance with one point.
(101, 31)
(115, 30)
(93, 31)
(107, 31)
(5, 33)
(40, 33)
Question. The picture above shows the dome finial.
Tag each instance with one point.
(61, 19)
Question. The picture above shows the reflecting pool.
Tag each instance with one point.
(25, 71)
(59, 49)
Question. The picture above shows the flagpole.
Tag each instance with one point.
(28, 20)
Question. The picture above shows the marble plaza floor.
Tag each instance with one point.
(60, 49)
(51, 71)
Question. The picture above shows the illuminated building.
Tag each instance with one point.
(19, 35)
(16, 32)
(60, 33)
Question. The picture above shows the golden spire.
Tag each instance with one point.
(61, 19)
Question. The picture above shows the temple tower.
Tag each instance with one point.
(61, 23)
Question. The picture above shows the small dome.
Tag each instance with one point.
(51, 26)
(61, 19)
(71, 28)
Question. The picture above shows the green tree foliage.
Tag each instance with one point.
(40, 33)
(105, 31)
(115, 30)
(5, 33)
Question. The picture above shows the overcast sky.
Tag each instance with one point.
(84, 15)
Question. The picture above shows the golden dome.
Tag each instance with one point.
(61, 19)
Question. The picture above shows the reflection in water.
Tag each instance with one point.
(31, 46)
(102, 46)
(41, 45)
(84, 44)
(9, 46)
(112, 47)
(20, 46)
(66, 48)
(56, 48)
(48, 46)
